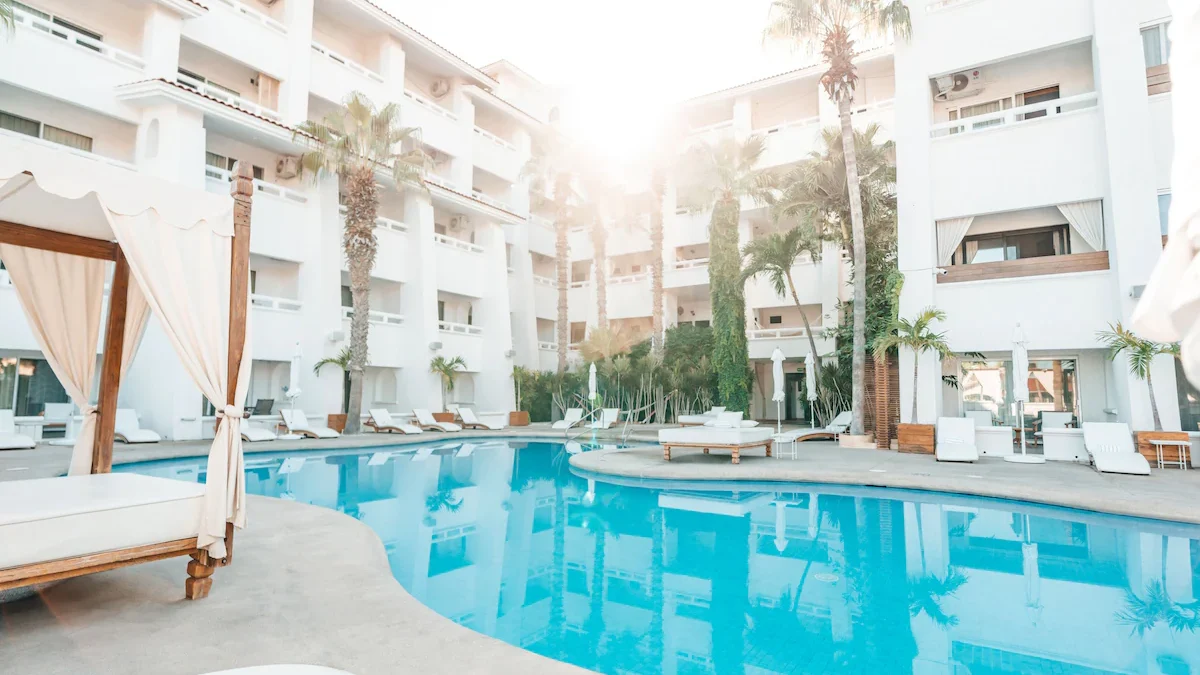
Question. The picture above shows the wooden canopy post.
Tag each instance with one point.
(242, 190)
(110, 369)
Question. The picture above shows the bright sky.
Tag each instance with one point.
(620, 63)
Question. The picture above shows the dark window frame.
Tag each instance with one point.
(1064, 231)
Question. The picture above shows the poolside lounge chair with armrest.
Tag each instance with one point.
(574, 416)
(263, 406)
(128, 430)
(608, 417)
(956, 440)
(9, 438)
(381, 421)
(831, 431)
(296, 423)
(1110, 445)
(256, 434)
(470, 421)
(698, 420)
(425, 421)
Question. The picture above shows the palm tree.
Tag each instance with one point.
(448, 370)
(1141, 353)
(1142, 614)
(835, 25)
(774, 256)
(342, 360)
(718, 176)
(355, 141)
(658, 188)
(604, 343)
(917, 336)
(6, 15)
(925, 595)
(599, 232)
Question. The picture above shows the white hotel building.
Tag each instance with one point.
(179, 89)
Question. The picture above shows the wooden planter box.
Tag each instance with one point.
(443, 416)
(915, 438)
(1170, 453)
(519, 418)
(336, 421)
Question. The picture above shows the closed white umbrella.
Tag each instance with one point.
(777, 375)
(293, 390)
(1020, 357)
(780, 526)
(810, 383)
(592, 395)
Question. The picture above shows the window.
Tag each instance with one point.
(1038, 96)
(635, 269)
(439, 229)
(578, 332)
(20, 125)
(348, 299)
(470, 315)
(981, 109)
(253, 280)
(773, 320)
(59, 21)
(702, 324)
(1013, 245)
(28, 127)
(441, 309)
(988, 385)
(1156, 45)
(226, 164)
(1164, 211)
(27, 385)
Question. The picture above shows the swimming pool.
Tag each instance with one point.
(499, 536)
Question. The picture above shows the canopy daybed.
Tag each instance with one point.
(177, 252)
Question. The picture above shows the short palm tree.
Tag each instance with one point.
(603, 344)
(1143, 614)
(917, 336)
(834, 25)
(925, 595)
(1141, 353)
(342, 360)
(718, 176)
(354, 142)
(448, 370)
(774, 256)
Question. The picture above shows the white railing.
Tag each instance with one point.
(442, 182)
(381, 223)
(67, 149)
(424, 102)
(375, 316)
(23, 18)
(1005, 118)
(492, 201)
(691, 264)
(541, 222)
(545, 281)
(877, 105)
(784, 126)
(457, 243)
(226, 97)
(628, 279)
(346, 63)
(253, 15)
(222, 176)
(547, 346)
(495, 139)
(459, 328)
(775, 333)
(278, 304)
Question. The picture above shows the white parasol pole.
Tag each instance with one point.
(1020, 362)
(778, 396)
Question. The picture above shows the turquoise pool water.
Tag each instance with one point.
(770, 579)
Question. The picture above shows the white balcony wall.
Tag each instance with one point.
(391, 256)
(541, 236)
(243, 33)
(440, 128)
(792, 342)
(495, 155)
(629, 299)
(335, 75)
(690, 228)
(959, 34)
(1060, 311)
(581, 303)
(274, 220)
(547, 359)
(579, 243)
(686, 273)
(1162, 139)
(632, 238)
(455, 261)
(545, 299)
(276, 324)
(470, 347)
(879, 113)
(806, 277)
(790, 142)
(386, 339)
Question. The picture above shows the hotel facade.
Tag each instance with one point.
(1044, 211)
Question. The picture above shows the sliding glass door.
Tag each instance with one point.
(27, 385)
(988, 385)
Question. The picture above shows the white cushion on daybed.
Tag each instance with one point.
(52, 518)
(716, 435)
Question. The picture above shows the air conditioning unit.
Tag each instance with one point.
(287, 167)
(439, 88)
(958, 85)
(457, 223)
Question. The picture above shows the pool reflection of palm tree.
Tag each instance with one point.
(442, 500)
(1144, 613)
(926, 593)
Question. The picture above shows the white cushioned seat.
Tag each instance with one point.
(716, 435)
(48, 519)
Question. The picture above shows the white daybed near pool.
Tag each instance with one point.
(727, 432)
(67, 224)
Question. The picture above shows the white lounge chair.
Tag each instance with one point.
(9, 438)
(698, 420)
(470, 421)
(57, 416)
(425, 421)
(573, 417)
(296, 423)
(983, 418)
(127, 429)
(830, 431)
(466, 450)
(256, 434)
(608, 417)
(956, 440)
(381, 421)
(422, 454)
(1110, 445)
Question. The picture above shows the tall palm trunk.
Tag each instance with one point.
(595, 617)
(812, 343)
(656, 583)
(358, 239)
(728, 299)
(916, 380)
(600, 255)
(1153, 403)
(562, 326)
(656, 270)
(860, 268)
(558, 617)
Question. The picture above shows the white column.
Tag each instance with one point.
(521, 299)
(743, 122)
(493, 383)
(160, 41)
(293, 90)
(418, 387)
(320, 286)
(391, 68)
(171, 142)
(462, 165)
(832, 281)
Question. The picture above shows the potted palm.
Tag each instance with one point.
(448, 370)
(337, 421)
(917, 336)
(1141, 353)
(519, 417)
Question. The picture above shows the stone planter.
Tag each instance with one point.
(443, 416)
(1170, 453)
(915, 438)
(336, 421)
(519, 418)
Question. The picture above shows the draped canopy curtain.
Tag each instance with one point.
(1087, 219)
(950, 233)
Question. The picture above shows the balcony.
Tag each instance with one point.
(243, 34)
(460, 266)
(274, 217)
(631, 238)
(581, 301)
(691, 228)
(496, 155)
(879, 112)
(224, 96)
(807, 278)
(385, 336)
(547, 355)
(391, 256)
(334, 76)
(1070, 163)
(58, 147)
(790, 142)
(541, 236)
(545, 298)
(460, 339)
(687, 273)
(793, 341)
(629, 296)
(277, 322)
(492, 201)
(440, 128)
(712, 133)
(954, 32)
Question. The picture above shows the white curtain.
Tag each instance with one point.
(137, 312)
(184, 274)
(62, 296)
(950, 233)
(1086, 218)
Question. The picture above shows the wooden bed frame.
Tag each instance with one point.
(736, 449)
(201, 567)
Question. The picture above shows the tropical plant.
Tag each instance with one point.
(342, 360)
(6, 15)
(1143, 614)
(604, 343)
(719, 176)
(448, 370)
(774, 256)
(521, 374)
(917, 336)
(834, 26)
(354, 142)
(443, 500)
(926, 593)
(1141, 353)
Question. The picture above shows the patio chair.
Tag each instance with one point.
(470, 421)
(608, 417)
(296, 423)
(9, 438)
(256, 434)
(574, 416)
(56, 417)
(127, 429)
(956, 440)
(425, 421)
(466, 450)
(983, 418)
(831, 431)
(1110, 446)
(381, 421)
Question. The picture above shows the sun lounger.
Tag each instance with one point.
(129, 431)
(297, 423)
(1110, 445)
(470, 421)
(698, 420)
(425, 421)
(9, 438)
(466, 451)
(732, 438)
(956, 440)
(608, 417)
(256, 434)
(57, 417)
(381, 421)
(831, 431)
(422, 454)
(573, 417)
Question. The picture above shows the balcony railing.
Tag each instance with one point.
(221, 176)
(545, 281)
(777, 333)
(226, 97)
(691, 264)
(495, 139)
(253, 15)
(442, 181)
(784, 126)
(459, 328)
(628, 279)
(382, 223)
(717, 130)
(457, 243)
(376, 316)
(581, 284)
(1006, 118)
(277, 304)
(1028, 267)
(67, 149)
(541, 222)
(426, 103)
(28, 20)
(547, 346)
(490, 201)
(346, 63)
